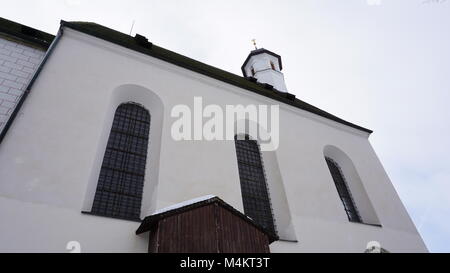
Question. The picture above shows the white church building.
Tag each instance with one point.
(87, 149)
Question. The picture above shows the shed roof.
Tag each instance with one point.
(149, 221)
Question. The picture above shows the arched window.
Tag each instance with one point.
(343, 191)
(121, 180)
(255, 194)
(272, 65)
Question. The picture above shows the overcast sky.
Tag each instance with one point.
(385, 67)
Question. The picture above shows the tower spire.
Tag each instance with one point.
(254, 43)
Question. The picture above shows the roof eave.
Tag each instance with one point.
(205, 69)
(25, 33)
(149, 221)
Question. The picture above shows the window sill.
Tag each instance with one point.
(114, 217)
(288, 241)
(367, 224)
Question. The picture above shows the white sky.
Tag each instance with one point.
(385, 67)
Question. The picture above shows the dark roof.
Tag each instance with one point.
(149, 222)
(25, 33)
(140, 44)
(257, 52)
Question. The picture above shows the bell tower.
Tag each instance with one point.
(266, 67)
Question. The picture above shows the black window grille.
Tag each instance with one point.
(255, 194)
(343, 191)
(121, 180)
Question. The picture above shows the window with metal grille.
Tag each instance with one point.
(121, 180)
(343, 191)
(254, 189)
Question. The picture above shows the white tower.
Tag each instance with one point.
(266, 67)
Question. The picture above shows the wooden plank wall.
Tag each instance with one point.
(238, 236)
(208, 229)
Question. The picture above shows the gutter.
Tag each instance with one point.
(30, 85)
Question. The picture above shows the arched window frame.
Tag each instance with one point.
(343, 191)
(121, 180)
(261, 212)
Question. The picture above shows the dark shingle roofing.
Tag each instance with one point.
(140, 44)
(25, 33)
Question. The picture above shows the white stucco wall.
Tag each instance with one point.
(50, 157)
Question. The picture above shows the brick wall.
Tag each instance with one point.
(18, 62)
